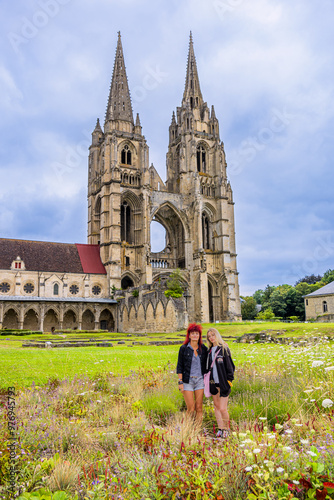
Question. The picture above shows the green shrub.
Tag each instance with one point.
(175, 284)
(135, 293)
(19, 333)
(172, 293)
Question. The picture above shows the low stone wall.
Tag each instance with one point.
(150, 312)
(51, 345)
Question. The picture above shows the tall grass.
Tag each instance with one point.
(127, 437)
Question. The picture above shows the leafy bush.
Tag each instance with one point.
(19, 333)
(172, 293)
(135, 293)
(175, 284)
(266, 315)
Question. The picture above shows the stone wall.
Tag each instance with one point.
(315, 307)
(151, 311)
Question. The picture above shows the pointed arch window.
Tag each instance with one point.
(56, 289)
(98, 208)
(206, 232)
(126, 156)
(126, 222)
(201, 159)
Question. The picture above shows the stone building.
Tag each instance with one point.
(194, 205)
(320, 304)
(63, 285)
(45, 285)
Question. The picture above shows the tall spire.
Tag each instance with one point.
(119, 102)
(192, 92)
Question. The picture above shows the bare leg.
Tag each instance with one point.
(220, 407)
(189, 399)
(199, 405)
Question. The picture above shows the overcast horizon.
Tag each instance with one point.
(266, 67)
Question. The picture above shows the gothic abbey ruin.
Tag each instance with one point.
(74, 286)
(195, 204)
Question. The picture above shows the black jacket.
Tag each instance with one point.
(225, 369)
(185, 359)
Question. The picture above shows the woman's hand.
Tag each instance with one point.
(181, 387)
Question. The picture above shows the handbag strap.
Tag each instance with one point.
(213, 362)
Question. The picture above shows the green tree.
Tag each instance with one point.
(277, 303)
(309, 279)
(248, 308)
(174, 284)
(328, 277)
(258, 296)
(266, 296)
(266, 315)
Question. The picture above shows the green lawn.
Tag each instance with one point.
(23, 366)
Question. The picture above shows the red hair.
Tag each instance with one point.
(193, 327)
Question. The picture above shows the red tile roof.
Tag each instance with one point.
(90, 259)
(51, 257)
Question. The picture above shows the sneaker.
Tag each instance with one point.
(225, 433)
(219, 433)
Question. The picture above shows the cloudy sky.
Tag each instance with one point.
(267, 66)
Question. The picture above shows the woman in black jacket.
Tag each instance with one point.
(190, 368)
(222, 375)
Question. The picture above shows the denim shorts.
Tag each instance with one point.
(195, 384)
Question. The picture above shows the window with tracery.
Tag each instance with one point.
(96, 290)
(201, 159)
(28, 288)
(126, 155)
(4, 287)
(74, 289)
(206, 232)
(126, 221)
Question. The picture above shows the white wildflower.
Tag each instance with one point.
(279, 470)
(327, 403)
(311, 453)
(317, 363)
(256, 451)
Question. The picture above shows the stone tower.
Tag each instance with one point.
(195, 205)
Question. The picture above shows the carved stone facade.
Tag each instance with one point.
(71, 286)
(56, 285)
(194, 205)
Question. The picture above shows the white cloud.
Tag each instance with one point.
(254, 59)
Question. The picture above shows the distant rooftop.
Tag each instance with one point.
(46, 256)
(325, 290)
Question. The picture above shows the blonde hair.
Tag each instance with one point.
(220, 341)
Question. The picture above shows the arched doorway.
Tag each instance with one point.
(10, 320)
(50, 320)
(70, 320)
(107, 321)
(31, 320)
(126, 282)
(88, 320)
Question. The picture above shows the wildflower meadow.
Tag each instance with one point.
(112, 435)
